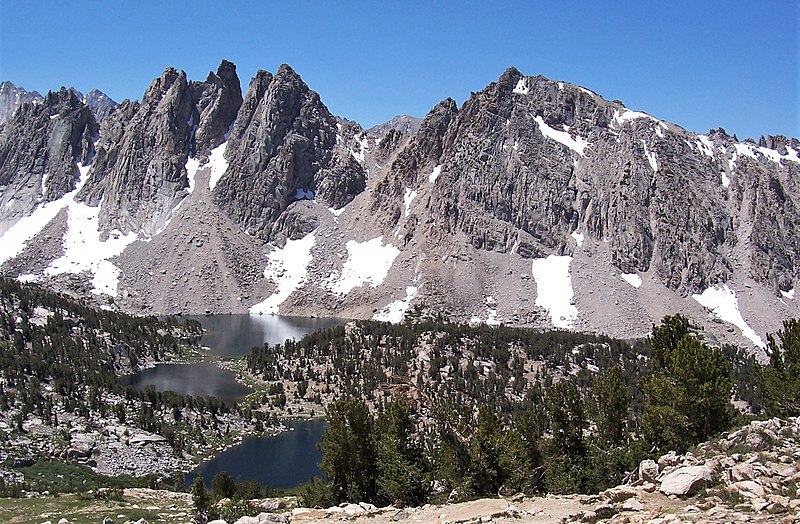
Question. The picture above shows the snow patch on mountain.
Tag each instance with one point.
(218, 165)
(367, 262)
(521, 88)
(491, 314)
(578, 236)
(288, 269)
(651, 157)
(577, 143)
(192, 166)
(724, 305)
(632, 279)
(396, 310)
(435, 174)
(788, 294)
(725, 180)
(408, 197)
(705, 145)
(626, 115)
(84, 251)
(554, 289)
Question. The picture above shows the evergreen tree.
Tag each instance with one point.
(348, 451)
(223, 485)
(780, 381)
(689, 399)
(612, 400)
(201, 501)
(402, 473)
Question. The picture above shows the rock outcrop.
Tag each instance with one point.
(282, 149)
(140, 168)
(40, 147)
(100, 103)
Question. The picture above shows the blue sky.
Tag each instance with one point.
(700, 64)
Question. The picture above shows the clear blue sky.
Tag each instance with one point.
(701, 64)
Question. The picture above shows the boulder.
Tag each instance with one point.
(670, 459)
(271, 518)
(143, 439)
(685, 481)
(648, 470)
(633, 505)
(743, 471)
(749, 488)
(756, 441)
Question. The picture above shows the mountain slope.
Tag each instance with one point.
(536, 203)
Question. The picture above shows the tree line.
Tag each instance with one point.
(572, 437)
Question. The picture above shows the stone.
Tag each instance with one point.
(633, 505)
(755, 441)
(667, 460)
(144, 439)
(272, 518)
(272, 505)
(743, 471)
(648, 470)
(353, 509)
(749, 488)
(685, 481)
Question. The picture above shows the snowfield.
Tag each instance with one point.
(83, 249)
(218, 164)
(367, 262)
(724, 305)
(288, 269)
(435, 174)
(396, 310)
(554, 289)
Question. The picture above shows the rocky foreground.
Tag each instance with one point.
(748, 475)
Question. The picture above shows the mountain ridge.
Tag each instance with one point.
(536, 203)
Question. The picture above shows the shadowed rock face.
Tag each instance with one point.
(140, 168)
(39, 147)
(283, 148)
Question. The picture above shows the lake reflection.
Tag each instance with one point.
(196, 379)
(235, 335)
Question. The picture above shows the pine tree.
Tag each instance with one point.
(612, 400)
(780, 381)
(201, 501)
(348, 451)
(688, 400)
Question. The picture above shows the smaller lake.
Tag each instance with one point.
(283, 461)
(196, 379)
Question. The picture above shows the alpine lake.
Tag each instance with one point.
(282, 461)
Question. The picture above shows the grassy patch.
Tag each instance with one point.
(58, 477)
(80, 510)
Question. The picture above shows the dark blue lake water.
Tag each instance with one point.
(282, 461)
